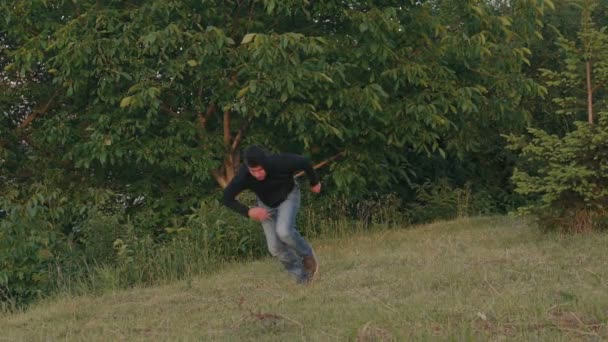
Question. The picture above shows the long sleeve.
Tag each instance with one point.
(235, 187)
(299, 163)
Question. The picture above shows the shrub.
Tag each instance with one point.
(565, 177)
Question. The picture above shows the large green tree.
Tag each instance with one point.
(169, 90)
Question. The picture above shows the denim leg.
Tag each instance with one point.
(286, 224)
(277, 248)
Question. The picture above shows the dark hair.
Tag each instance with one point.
(255, 156)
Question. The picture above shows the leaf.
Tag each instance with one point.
(505, 21)
(192, 63)
(248, 38)
(126, 101)
(477, 10)
(271, 5)
(154, 91)
(44, 254)
(325, 77)
(242, 92)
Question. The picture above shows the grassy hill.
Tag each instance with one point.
(470, 279)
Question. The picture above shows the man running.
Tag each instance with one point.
(271, 178)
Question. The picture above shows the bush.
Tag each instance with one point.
(54, 240)
(90, 241)
(30, 241)
(440, 200)
(334, 215)
(566, 177)
(196, 244)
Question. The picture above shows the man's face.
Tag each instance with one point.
(258, 172)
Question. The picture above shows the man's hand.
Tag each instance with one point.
(317, 188)
(258, 214)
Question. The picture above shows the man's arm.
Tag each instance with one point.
(297, 163)
(235, 187)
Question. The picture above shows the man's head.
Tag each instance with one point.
(255, 158)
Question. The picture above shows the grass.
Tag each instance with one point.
(470, 279)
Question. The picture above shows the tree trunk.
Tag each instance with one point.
(589, 95)
(225, 173)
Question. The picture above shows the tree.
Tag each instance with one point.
(565, 175)
(584, 67)
(565, 22)
(331, 76)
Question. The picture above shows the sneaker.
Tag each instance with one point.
(311, 266)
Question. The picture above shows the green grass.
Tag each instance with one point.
(470, 279)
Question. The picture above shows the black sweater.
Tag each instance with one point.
(274, 189)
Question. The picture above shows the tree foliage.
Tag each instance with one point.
(565, 175)
(583, 68)
(161, 89)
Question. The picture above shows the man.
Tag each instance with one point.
(271, 178)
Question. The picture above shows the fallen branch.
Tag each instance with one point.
(492, 288)
(597, 276)
(386, 305)
(263, 316)
(579, 331)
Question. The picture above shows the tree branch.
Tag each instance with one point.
(239, 136)
(77, 8)
(38, 111)
(227, 135)
(599, 85)
(203, 118)
(323, 163)
(219, 178)
(168, 109)
(235, 19)
(252, 3)
(229, 159)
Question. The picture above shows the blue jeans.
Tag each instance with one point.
(282, 238)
